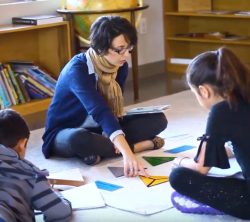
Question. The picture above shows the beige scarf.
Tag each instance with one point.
(107, 84)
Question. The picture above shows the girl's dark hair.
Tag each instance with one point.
(12, 128)
(106, 28)
(223, 71)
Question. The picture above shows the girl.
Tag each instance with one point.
(220, 83)
(85, 118)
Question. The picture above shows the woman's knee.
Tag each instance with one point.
(161, 121)
(79, 140)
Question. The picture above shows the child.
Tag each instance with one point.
(23, 187)
(221, 83)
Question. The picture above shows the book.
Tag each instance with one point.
(37, 85)
(246, 13)
(147, 109)
(183, 61)
(7, 87)
(3, 95)
(33, 91)
(11, 90)
(15, 84)
(71, 177)
(37, 19)
(22, 88)
(6, 101)
(42, 78)
(35, 72)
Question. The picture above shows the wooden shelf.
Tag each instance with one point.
(176, 23)
(46, 45)
(196, 14)
(32, 107)
(233, 42)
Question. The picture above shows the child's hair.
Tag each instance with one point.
(12, 128)
(223, 71)
(106, 28)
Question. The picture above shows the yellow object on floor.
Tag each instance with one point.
(154, 180)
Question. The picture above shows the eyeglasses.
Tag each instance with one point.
(122, 51)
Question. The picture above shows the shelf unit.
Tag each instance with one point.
(196, 22)
(46, 45)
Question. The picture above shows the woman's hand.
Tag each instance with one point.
(132, 167)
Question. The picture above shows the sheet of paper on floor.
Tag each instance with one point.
(84, 197)
(136, 197)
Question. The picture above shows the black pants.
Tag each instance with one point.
(229, 195)
(86, 141)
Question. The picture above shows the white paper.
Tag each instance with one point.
(147, 109)
(72, 174)
(136, 197)
(84, 197)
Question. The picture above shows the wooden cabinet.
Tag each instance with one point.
(46, 45)
(177, 46)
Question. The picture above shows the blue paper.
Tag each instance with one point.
(180, 149)
(107, 186)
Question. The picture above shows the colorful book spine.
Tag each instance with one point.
(47, 76)
(8, 85)
(39, 86)
(3, 94)
(34, 92)
(22, 88)
(39, 76)
(6, 99)
(7, 88)
(15, 84)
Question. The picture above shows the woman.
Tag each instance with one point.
(221, 83)
(85, 118)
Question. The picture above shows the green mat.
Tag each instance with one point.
(157, 160)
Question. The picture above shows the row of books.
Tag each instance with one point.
(22, 81)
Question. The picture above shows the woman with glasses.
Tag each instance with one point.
(85, 118)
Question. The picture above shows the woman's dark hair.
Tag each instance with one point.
(12, 128)
(106, 28)
(223, 71)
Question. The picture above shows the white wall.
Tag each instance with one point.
(28, 8)
(150, 45)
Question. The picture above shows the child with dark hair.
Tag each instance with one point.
(85, 118)
(23, 187)
(221, 83)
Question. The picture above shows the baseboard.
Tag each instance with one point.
(148, 69)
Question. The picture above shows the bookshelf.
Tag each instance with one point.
(46, 45)
(179, 47)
